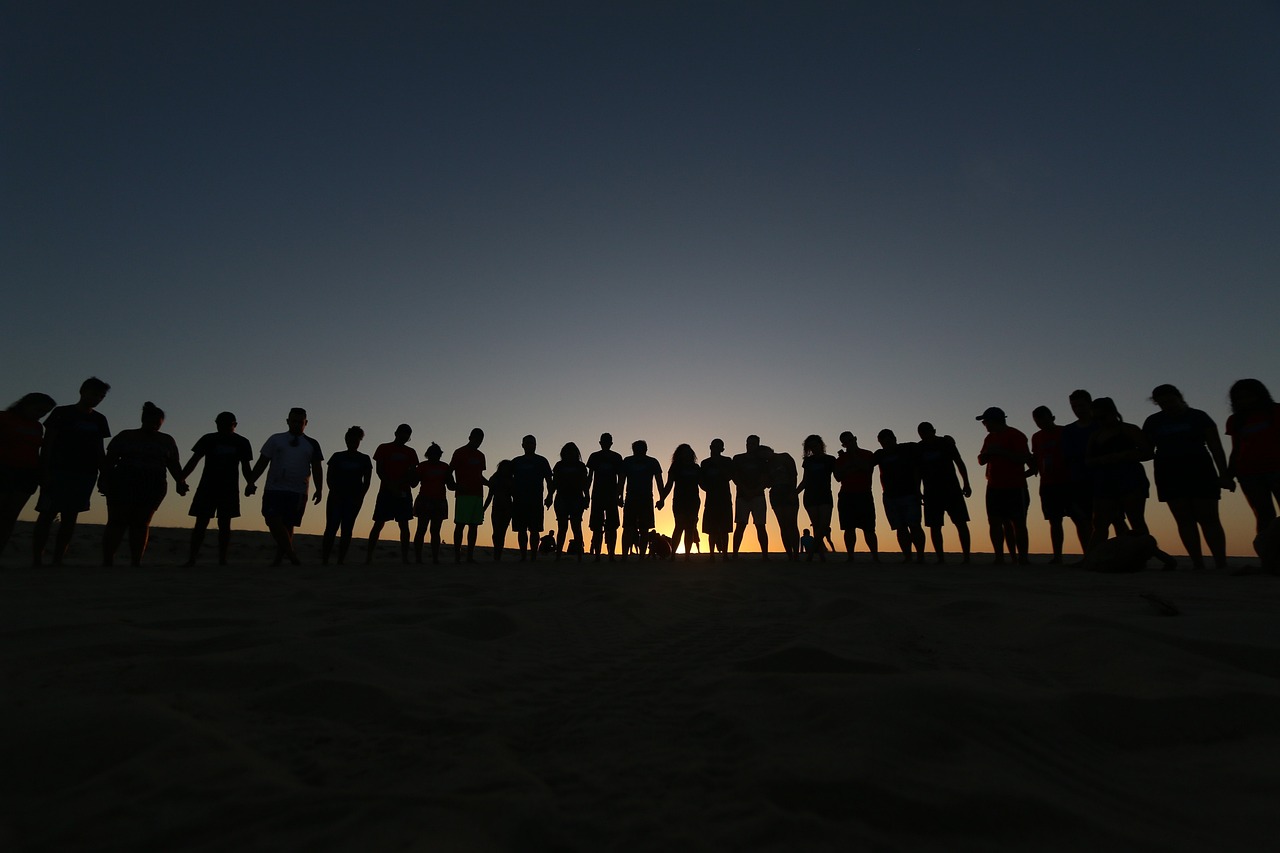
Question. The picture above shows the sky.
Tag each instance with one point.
(671, 221)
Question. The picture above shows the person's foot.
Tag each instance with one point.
(1055, 560)
(941, 560)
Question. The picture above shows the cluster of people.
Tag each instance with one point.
(1089, 471)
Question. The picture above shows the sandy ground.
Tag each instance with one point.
(672, 706)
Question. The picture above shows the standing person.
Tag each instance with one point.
(133, 479)
(854, 503)
(683, 477)
(1191, 470)
(21, 435)
(569, 496)
(818, 469)
(717, 514)
(350, 473)
(292, 458)
(395, 462)
(944, 495)
(783, 476)
(900, 492)
(467, 466)
(635, 496)
(1115, 455)
(500, 486)
(529, 472)
(1049, 462)
(1006, 454)
(604, 467)
(750, 476)
(70, 459)
(226, 455)
(432, 505)
(1075, 446)
(1254, 427)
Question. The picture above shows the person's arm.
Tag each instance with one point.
(800, 488)
(196, 455)
(366, 479)
(251, 479)
(662, 490)
(317, 473)
(550, 480)
(1214, 443)
(960, 466)
(106, 466)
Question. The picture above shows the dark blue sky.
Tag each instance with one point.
(675, 223)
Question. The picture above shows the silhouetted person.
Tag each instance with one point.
(1254, 427)
(900, 492)
(1075, 445)
(944, 495)
(717, 511)
(529, 472)
(683, 476)
(819, 467)
(635, 495)
(1191, 471)
(750, 476)
(133, 479)
(395, 462)
(1006, 454)
(467, 466)
(21, 435)
(1120, 486)
(547, 544)
(350, 473)
(854, 503)
(290, 460)
(604, 467)
(226, 455)
(1057, 493)
(500, 486)
(783, 477)
(70, 460)
(806, 542)
(568, 495)
(432, 505)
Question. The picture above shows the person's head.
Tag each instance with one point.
(993, 418)
(1081, 404)
(684, 455)
(570, 453)
(753, 443)
(886, 438)
(1042, 416)
(814, 445)
(717, 446)
(1168, 398)
(434, 452)
(606, 441)
(297, 420)
(639, 447)
(530, 444)
(1248, 396)
(152, 416)
(848, 440)
(93, 391)
(33, 406)
(476, 437)
(926, 430)
(1105, 411)
(354, 436)
(806, 532)
(225, 422)
(403, 433)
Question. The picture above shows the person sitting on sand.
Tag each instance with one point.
(395, 462)
(70, 460)
(467, 466)
(1006, 454)
(290, 460)
(226, 455)
(603, 469)
(635, 495)
(432, 505)
(20, 438)
(806, 542)
(133, 479)
(350, 473)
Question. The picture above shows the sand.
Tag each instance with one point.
(673, 706)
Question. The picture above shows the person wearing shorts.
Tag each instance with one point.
(290, 459)
(226, 456)
(395, 461)
(21, 435)
(818, 467)
(467, 467)
(944, 495)
(350, 473)
(900, 492)
(604, 467)
(1050, 465)
(1075, 447)
(855, 505)
(432, 504)
(529, 472)
(750, 477)
(569, 496)
(70, 459)
(1006, 454)
(635, 494)
(783, 477)
(498, 503)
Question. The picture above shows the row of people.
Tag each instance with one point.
(1090, 471)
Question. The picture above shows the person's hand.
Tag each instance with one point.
(315, 499)
(547, 502)
(1227, 482)
(249, 489)
(968, 492)
(661, 503)
(182, 488)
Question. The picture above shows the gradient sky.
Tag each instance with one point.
(669, 221)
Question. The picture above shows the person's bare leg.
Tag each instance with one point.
(40, 536)
(966, 540)
(935, 535)
(62, 541)
(1056, 538)
(112, 536)
(1214, 536)
(197, 539)
(1184, 516)
(224, 540)
(419, 536)
(374, 533)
